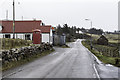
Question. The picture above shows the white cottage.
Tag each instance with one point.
(24, 30)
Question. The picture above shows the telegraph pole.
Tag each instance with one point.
(91, 36)
(13, 19)
(22, 18)
(6, 14)
(91, 33)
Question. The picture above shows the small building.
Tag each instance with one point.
(24, 30)
(59, 39)
(102, 40)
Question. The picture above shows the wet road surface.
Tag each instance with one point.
(73, 62)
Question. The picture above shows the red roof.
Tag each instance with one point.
(24, 26)
(37, 30)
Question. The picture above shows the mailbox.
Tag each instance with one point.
(36, 36)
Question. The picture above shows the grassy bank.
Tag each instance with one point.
(26, 60)
(103, 58)
(14, 43)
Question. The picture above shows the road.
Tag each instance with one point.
(73, 62)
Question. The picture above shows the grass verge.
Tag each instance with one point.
(14, 43)
(104, 59)
(23, 61)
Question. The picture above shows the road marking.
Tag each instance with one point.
(96, 72)
(97, 60)
(5, 76)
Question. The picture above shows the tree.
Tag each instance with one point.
(66, 29)
(59, 30)
(78, 29)
(96, 31)
(83, 30)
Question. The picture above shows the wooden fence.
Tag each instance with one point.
(106, 50)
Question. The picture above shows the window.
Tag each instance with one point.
(27, 36)
(7, 35)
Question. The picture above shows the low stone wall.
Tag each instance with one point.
(24, 52)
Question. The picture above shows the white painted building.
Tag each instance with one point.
(24, 30)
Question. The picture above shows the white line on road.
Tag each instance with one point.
(5, 76)
(96, 72)
(94, 64)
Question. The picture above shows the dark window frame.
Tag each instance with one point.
(27, 37)
(7, 35)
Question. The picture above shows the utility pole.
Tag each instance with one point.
(6, 14)
(91, 33)
(13, 19)
(91, 37)
(22, 18)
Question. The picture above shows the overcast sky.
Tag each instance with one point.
(103, 13)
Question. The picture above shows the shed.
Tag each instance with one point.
(102, 40)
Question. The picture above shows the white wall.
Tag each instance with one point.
(11, 35)
(1, 35)
(21, 36)
(31, 36)
(45, 37)
(18, 35)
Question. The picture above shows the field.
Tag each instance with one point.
(106, 53)
(113, 38)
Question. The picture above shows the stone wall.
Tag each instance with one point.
(24, 52)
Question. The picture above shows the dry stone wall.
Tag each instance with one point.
(24, 52)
